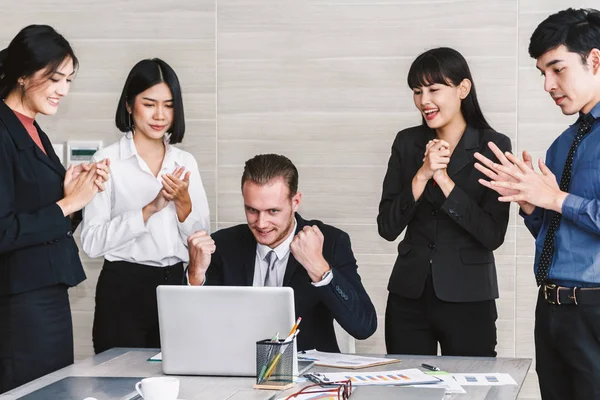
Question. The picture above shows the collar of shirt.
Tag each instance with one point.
(282, 250)
(283, 253)
(595, 111)
(128, 150)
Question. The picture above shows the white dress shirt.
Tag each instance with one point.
(113, 225)
(283, 251)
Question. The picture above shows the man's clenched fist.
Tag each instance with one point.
(200, 246)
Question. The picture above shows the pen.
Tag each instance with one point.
(272, 367)
(312, 378)
(291, 337)
(264, 368)
(262, 373)
(430, 367)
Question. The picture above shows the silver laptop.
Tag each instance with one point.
(213, 330)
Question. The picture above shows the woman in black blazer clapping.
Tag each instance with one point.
(39, 204)
(443, 285)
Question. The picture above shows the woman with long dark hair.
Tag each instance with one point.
(443, 285)
(141, 222)
(39, 209)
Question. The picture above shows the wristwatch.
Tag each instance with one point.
(326, 275)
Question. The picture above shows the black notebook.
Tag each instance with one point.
(80, 387)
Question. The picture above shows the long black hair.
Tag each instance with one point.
(36, 47)
(447, 66)
(142, 77)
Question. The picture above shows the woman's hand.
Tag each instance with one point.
(74, 171)
(156, 205)
(102, 173)
(176, 190)
(81, 190)
(437, 156)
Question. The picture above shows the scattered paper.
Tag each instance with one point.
(337, 360)
(157, 357)
(449, 383)
(491, 379)
(398, 377)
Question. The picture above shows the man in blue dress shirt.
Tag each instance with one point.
(561, 207)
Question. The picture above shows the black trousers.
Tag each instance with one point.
(415, 326)
(567, 350)
(36, 335)
(126, 312)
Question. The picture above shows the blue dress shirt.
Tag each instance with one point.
(576, 260)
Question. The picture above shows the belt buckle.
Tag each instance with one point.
(574, 297)
(547, 296)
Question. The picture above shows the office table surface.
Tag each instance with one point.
(126, 362)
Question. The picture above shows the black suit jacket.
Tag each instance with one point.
(344, 299)
(458, 234)
(36, 240)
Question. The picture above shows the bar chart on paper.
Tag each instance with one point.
(399, 377)
(379, 378)
(488, 379)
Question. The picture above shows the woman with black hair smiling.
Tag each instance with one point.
(443, 285)
(141, 222)
(39, 208)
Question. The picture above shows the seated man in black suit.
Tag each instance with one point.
(279, 248)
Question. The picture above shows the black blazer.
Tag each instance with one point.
(344, 299)
(456, 234)
(36, 241)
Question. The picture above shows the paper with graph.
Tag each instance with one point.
(489, 379)
(411, 376)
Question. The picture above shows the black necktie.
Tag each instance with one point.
(565, 179)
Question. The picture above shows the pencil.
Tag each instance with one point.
(295, 326)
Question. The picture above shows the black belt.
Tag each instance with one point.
(562, 295)
(175, 271)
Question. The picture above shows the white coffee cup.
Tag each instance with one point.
(158, 388)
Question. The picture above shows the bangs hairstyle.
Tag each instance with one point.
(578, 30)
(143, 76)
(35, 48)
(447, 66)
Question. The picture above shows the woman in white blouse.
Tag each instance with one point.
(140, 223)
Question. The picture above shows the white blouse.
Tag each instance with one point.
(113, 225)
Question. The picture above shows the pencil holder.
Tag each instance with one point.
(274, 364)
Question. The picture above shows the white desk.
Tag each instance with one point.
(133, 362)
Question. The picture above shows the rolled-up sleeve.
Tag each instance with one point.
(199, 218)
(584, 213)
